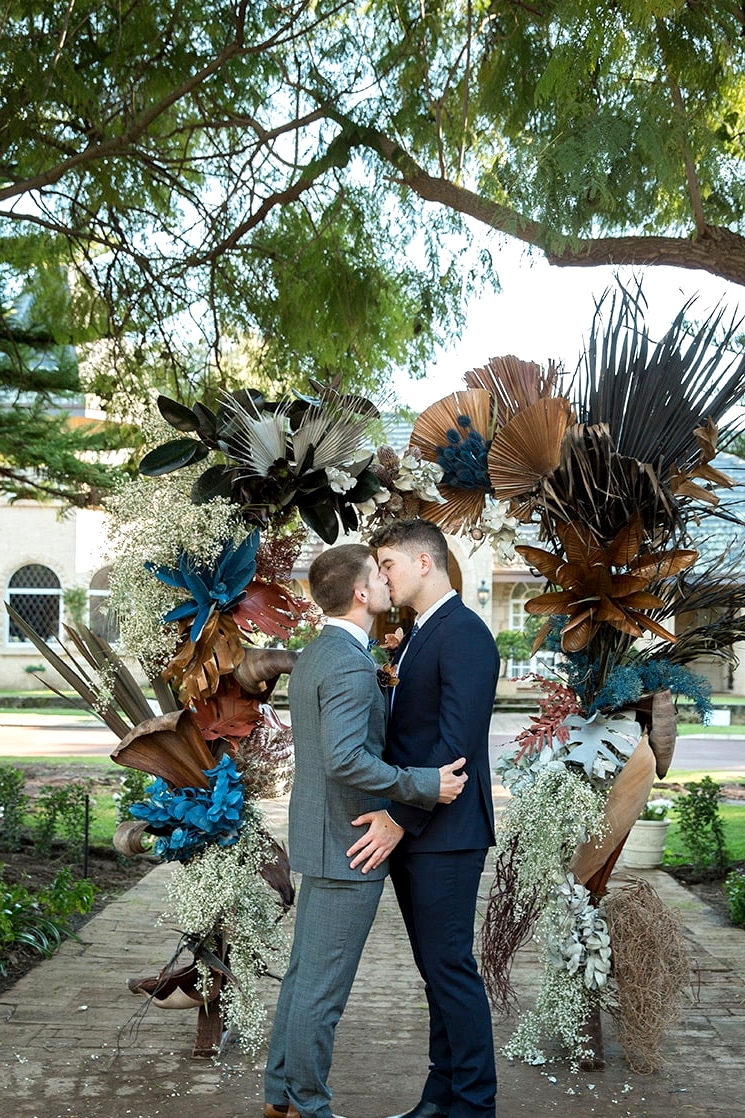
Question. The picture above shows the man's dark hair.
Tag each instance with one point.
(334, 574)
(414, 536)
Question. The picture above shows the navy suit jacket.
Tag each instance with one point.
(442, 710)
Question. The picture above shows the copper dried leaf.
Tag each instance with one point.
(430, 428)
(169, 746)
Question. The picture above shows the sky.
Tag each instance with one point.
(545, 312)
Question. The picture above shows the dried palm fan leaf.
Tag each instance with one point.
(595, 485)
(654, 396)
(462, 508)
(528, 447)
(169, 746)
(457, 427)
(626, 799)
(513, 384)
(430, 429)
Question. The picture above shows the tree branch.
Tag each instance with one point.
(714, 249)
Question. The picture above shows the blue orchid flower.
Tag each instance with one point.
(187, 819)
(219, 586)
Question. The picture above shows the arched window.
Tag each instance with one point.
(543, 662)
(35, 593)
(102, 621)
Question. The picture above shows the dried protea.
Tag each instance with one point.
(388, 458)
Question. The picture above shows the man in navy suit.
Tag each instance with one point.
(441, 710)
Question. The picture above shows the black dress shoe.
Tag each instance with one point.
(423, 1109)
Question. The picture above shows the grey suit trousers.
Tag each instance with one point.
(332, 923)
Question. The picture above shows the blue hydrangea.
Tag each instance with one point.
(185, 820)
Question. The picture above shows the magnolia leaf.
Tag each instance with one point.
(172, 456)
(270, 608)
(179, 416)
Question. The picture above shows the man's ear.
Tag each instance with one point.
(425, 562)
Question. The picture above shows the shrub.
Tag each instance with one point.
(734, 887)
(133, 785)
(13, 801)
(40, 922)
(701, 826)
(61, 812)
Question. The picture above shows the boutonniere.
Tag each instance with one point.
(387, 676)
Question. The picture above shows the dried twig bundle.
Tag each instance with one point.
(652, 968)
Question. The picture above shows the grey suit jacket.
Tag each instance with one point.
(338, 726)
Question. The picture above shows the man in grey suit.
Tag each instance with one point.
(338, 720)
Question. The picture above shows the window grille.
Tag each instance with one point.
(35, 593)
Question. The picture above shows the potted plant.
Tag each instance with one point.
(645, 844)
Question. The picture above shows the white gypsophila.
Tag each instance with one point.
(577, 936)
(221, 890)
(562, 1008)
(420, 478)
(154, 520)
(548, 820)
(339, 480)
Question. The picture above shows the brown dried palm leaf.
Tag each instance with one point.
(196, 668)
(602, 489)
(513, 384)
(654, 396)
(169, 746)
(528, 448)
(430, 428)
(260, 669)
(127, 838)
(626, 799)
(462, 508)
(657, 713)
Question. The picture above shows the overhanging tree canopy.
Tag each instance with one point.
(265, 165)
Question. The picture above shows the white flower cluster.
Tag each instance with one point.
(421, 478)
(499, 528)
(340, 480)
(577, 934)
(403, 480)
(222, 889)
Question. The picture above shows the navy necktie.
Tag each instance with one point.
(414, 631)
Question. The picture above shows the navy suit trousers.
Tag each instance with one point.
(437, 895)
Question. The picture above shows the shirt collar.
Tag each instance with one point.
(433, 609)
(358, 633)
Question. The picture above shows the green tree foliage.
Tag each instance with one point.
(43, 454)
(295, 172)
